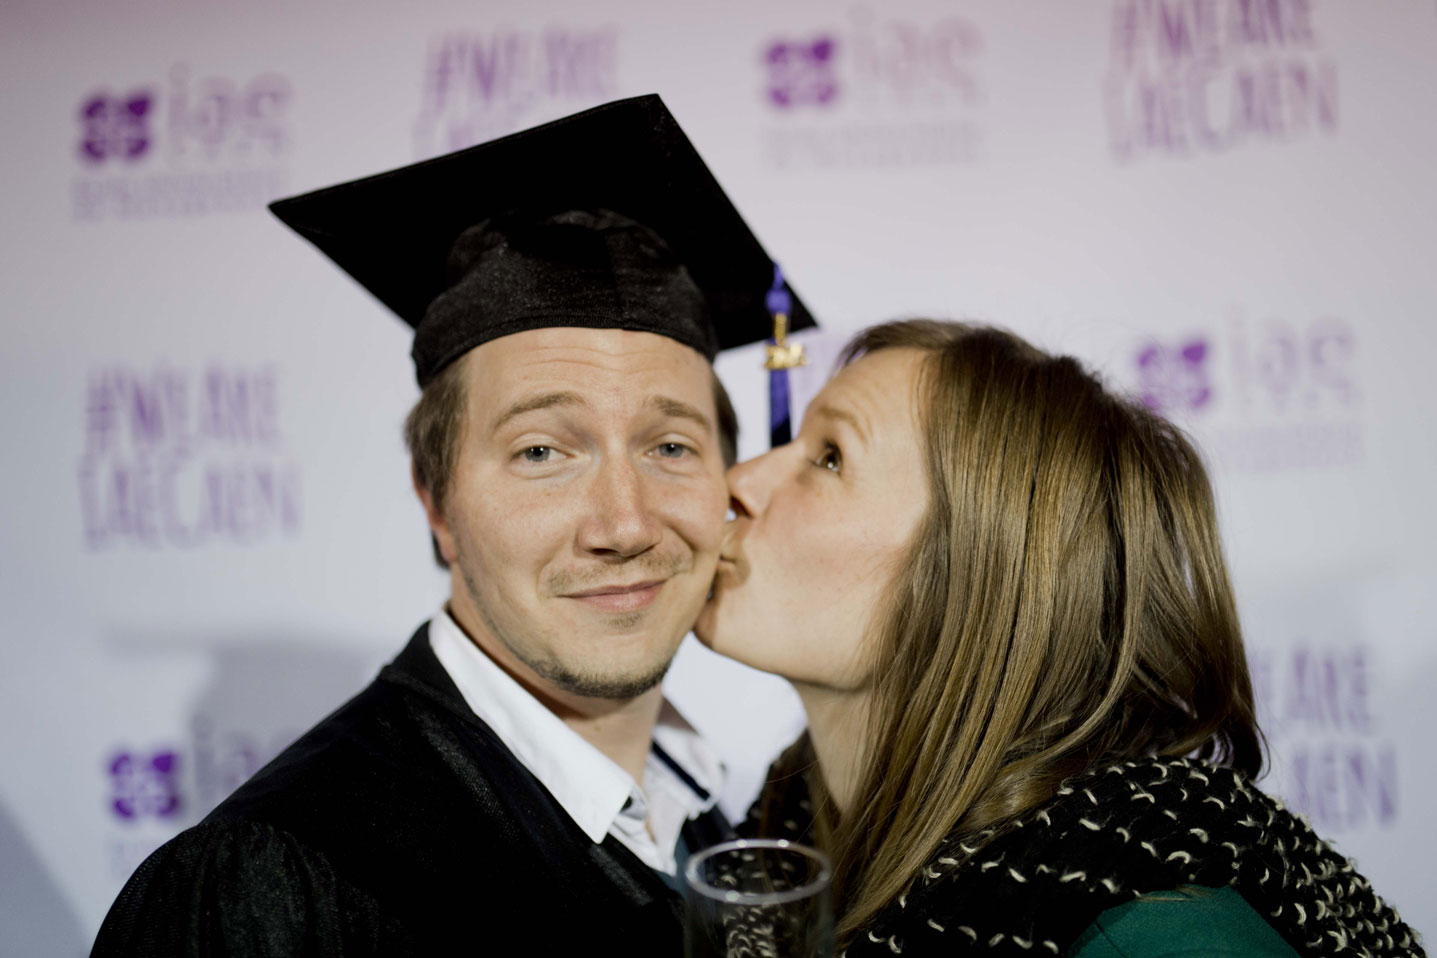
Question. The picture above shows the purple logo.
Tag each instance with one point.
(221, 760)
(115, 127)
(893, 92)
(170, 787)
(216, 119)
(145, 786)
(189, 146)
(1270, 395)
(801, 73)
(1174, 378)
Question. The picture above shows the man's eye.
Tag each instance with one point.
(831, 459)
(672, 450)
(537, 454)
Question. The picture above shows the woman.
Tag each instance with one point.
(1000, 594)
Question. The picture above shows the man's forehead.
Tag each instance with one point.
(535, 350)
(606, 368)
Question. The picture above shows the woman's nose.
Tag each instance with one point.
(750, 484)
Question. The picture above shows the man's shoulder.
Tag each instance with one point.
(371, 735)
(397, 747)
(384, 822)
(403, 769)
(393, 782)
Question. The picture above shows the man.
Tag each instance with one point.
(514, 780)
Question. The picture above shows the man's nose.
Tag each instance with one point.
(621, 520)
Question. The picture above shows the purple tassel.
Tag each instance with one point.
(780, 424)
(780, 427)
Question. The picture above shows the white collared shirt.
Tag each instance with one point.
(600, 796)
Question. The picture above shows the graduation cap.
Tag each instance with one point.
(606, 219)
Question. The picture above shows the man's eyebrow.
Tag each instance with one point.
(842, 415)
(535, 403)
(681, 410)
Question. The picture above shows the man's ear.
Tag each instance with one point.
(438, 525)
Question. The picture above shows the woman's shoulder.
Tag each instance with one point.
(1190, 923)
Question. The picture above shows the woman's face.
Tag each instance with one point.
(822, 524)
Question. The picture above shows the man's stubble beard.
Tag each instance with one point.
(612, 688)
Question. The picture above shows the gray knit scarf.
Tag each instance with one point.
(1125, 831)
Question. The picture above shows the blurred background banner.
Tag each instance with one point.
(1226, 206)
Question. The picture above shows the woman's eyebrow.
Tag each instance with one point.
(843, 415)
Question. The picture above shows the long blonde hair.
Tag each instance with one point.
(1065, 604)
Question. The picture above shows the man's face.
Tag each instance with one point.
(586, 508)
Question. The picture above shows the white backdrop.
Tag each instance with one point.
(208, 537)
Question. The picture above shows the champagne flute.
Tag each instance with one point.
(758, 898)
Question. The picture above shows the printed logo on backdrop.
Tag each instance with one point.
(485, 84)
(145, 785)
(185, 458)
(1259, 396)
(1321, 714)
(873, 92)
(187, 145)
(1190, 77)
(153, 792)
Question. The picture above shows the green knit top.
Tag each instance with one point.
(1192, 923)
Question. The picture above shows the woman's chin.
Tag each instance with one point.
(711, 631)
(708, 628)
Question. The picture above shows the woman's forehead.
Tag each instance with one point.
(879, 388)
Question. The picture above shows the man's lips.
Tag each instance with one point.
(620, 598)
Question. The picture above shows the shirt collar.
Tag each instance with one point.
(589, 785)
(695, 757)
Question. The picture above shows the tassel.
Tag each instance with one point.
(782, 356)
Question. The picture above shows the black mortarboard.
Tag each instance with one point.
(607, 218)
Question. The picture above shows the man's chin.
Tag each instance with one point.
(608, 685)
